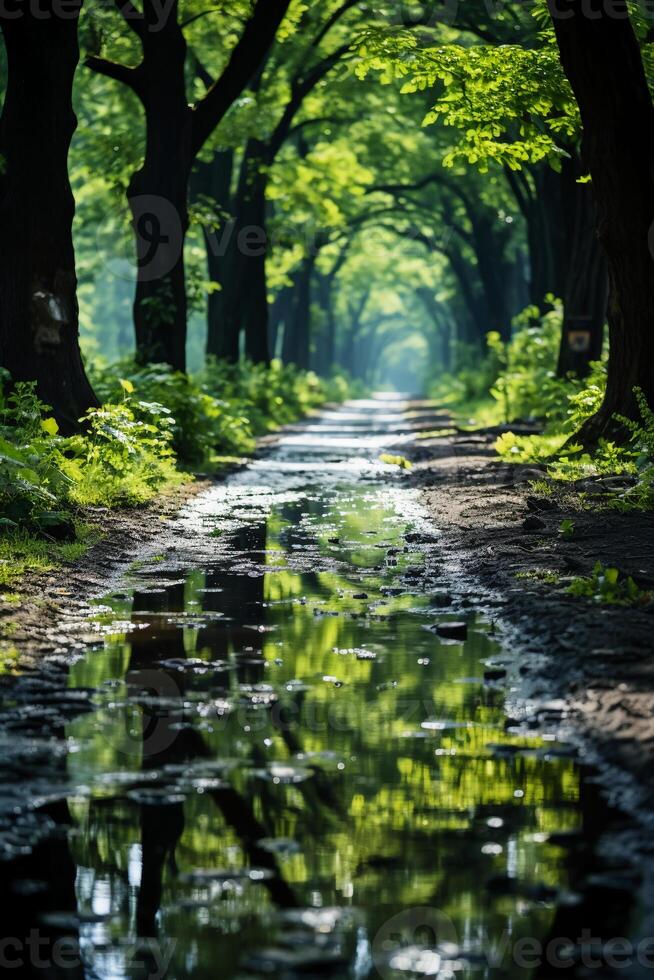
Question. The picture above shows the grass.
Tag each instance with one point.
(9, 660)
(543, 575)
(22, 554)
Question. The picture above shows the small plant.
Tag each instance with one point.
(400, 461)
(567, 528)
(124, 458)
(543, 575)
(609, 587)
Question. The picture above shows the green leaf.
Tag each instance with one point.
(49, 426)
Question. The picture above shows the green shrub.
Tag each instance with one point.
(517, 380)
(124, 456)
(33, 486)
(220, 411)
(203, 425)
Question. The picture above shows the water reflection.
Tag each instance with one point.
(280, 732)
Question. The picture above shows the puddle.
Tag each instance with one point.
(276, 765)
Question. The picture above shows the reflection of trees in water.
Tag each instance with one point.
(52, 871)
(240, 601)
(604, 911)
(399, 815)
(169, 740)
(162, 744)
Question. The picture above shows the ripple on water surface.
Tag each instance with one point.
(283, 768)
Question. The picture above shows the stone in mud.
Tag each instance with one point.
(533, 524)
(452, 631)
(420, 537)
(540, 504)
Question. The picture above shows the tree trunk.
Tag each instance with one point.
(601, 57)
(439, 338)
(585, 298)
(494, 275)
(279, 316)
(38, 305)
(246, 296)
(212, 182)
(157, 196)
(302, 316)
(540, 202)
(296, 347)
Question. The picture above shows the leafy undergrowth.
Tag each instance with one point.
(221, 411)
(608, 586)
(568, 464)
(153, 424)
(517, 381)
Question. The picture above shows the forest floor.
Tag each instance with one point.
(49, 611)
(586, 666)
(576, 671)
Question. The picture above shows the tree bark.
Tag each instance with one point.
(586, 293)
(38, 305)
(489, 245)
(213, 180)
(538, 195)
(303, 314)
(245, 305)
(297, 299)
(279, 315)
(601, 58)
(157, 196)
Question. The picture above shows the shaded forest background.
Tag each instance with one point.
(215, 216)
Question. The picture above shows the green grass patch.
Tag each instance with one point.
(9, 660)
(608, 586)
(23, 553)
(544, 575)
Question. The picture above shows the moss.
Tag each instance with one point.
(544, 575)
(23, 553)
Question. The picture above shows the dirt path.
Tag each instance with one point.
(320, 575)
(500, 549)
(503, 550)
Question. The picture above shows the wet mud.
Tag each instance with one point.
(291, 742)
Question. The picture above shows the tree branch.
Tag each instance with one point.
(300, 89)
(132, 17)
(331, 21)
(255, 41)
(319, 120)
(111, 69)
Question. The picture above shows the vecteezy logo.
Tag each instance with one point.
(159, 236)
(151, 231)
(416, 941)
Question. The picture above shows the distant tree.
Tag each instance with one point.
(242, 304)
